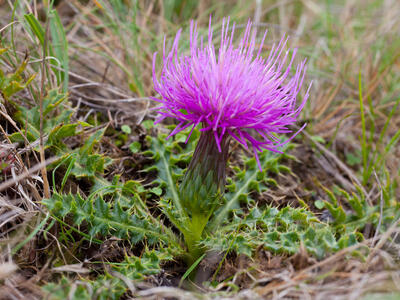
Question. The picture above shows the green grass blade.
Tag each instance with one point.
(364, 149)
(35, 27)
(31, 235)
(60, 47)
(192, 267)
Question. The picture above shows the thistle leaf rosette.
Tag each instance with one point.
(233, 90)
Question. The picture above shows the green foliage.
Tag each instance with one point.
(170, 159)
(113, 284)
(277, 230)
(56, 121)
(58, 48)
(115, 218)
(281, 231)
(361, 214)
(126, 129)
(100, 216)
(86, 162)
(13, 82)
(171, 156)
(248, 182)
(135, 147)
(138, 268)
(374, 153)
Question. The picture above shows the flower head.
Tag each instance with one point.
(233, 90)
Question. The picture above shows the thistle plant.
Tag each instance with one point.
(234, 94)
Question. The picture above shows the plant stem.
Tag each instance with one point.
(202, 188)
(193, 238)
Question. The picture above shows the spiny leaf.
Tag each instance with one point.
(170, 159)
(107, 219)
(244, 183)
(109, 286)
(280, 231)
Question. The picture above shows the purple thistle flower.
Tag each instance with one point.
(233, 91)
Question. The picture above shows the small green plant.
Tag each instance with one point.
(111, 285)
(13, 82)
(380, 216)
(280, 231)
